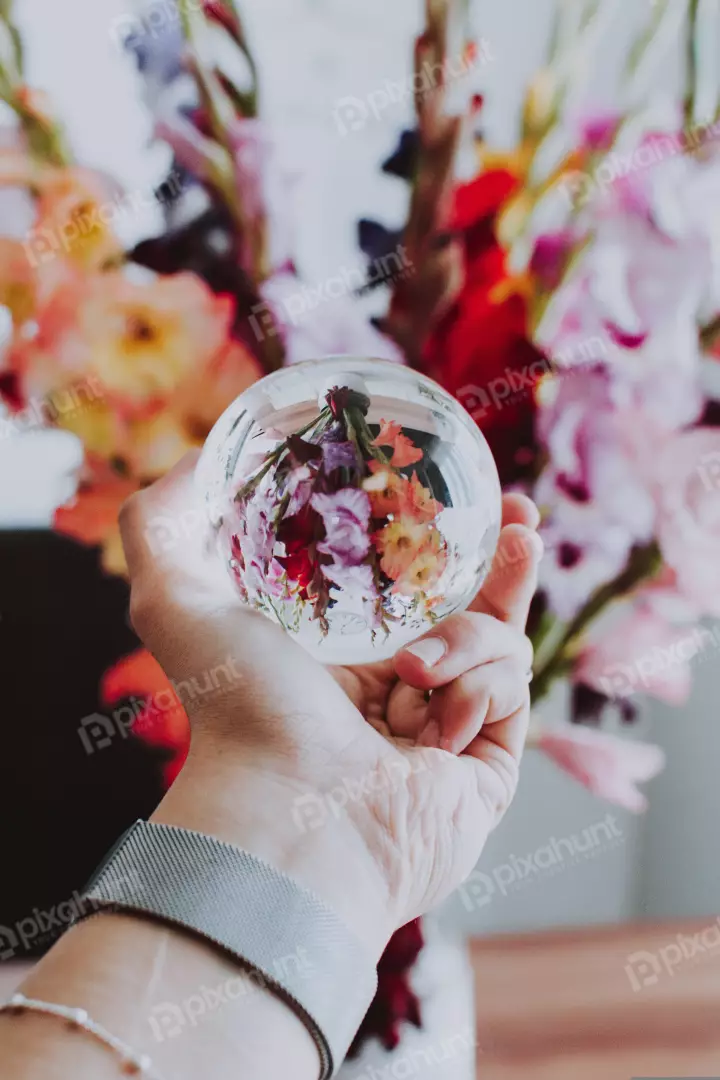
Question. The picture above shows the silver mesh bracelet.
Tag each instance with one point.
(252, 911)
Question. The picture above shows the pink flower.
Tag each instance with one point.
(596, 484)
(687, 488)
(641, 653)
(607, 765)
(299, 486)
(597, 130)
(345, 515)
(332, 325)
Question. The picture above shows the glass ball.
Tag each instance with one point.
(354, 502)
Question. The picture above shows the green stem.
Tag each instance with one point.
(643, 563)
(693, 62)
(275, 455)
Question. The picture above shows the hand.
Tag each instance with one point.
(374, 792)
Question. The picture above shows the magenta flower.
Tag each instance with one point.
(346, 515)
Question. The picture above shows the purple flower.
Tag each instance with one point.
(346, 515)
(339, 455)
(299, 486)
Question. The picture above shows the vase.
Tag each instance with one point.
(444, 1048)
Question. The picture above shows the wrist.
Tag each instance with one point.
(228, 795)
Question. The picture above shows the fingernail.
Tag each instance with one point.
(430, 735)
(537, 542)
(430, 650)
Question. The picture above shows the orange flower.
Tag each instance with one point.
(404, 450)
(420, 502)
(74, 215)
(91, 518)
(399, 544)
(392, 494)
(388, 490)
(141, 341)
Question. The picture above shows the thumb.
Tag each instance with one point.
(510, 586)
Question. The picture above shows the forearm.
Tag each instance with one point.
(190, 1008)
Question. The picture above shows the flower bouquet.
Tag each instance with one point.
(354, 532)
(567, 295)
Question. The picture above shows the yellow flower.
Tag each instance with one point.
(18, 290)
(399, 544)
(424, 571)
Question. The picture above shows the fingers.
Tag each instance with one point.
(481, 697)
(512, 581)
(457, 645)
(518, 509)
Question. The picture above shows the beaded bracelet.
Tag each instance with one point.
(133, 1064)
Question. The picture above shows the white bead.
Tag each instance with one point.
(18, 999)
(80, 1016)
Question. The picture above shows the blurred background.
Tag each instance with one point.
(62, 600)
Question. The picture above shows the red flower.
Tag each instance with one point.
(395, 1001)
(299, 533)
(479, 349)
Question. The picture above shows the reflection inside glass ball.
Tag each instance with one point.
(354, 502)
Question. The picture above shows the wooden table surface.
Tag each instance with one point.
(573, 1005)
